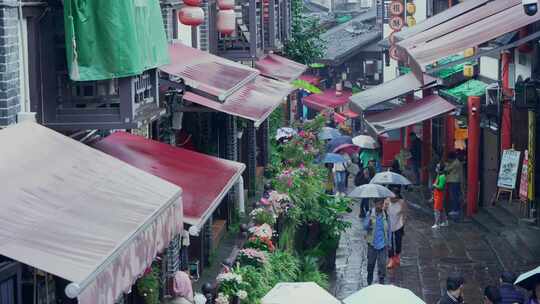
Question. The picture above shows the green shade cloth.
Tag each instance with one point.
(458, 68)
(344, 19)
(108, 39)
(461, 92)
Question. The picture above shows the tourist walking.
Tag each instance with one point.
(416, 156)
(535, 296)
(340, 174)
(454, 290)
(363, 177)
(454, 181)
(509, 292)
(439, 186)
(492, 295)
(377, 227)
(396, 208)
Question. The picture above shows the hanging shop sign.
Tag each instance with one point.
(393, 52)
(509, 169)
(396, 23)
(396, 8)
(524, 179)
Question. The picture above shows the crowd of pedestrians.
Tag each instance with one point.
(505, 293)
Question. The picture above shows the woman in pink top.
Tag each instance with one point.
(396, 209)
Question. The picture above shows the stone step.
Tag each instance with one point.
(502, 215)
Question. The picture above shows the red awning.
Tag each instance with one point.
(470, 13)
(204, 179)
(207, 73)
(280, 68)
(254, 101)
(440, 18)
(326, 100)
(482, 31)
(314, 80)
(389, 90)
(409, 114)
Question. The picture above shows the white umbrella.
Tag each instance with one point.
(296, 293)
(383, 294)
(365, 142)
(389, 178)
(528, 280)
(285, 132)
(371, 191)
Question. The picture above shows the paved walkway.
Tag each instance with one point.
(480, 249)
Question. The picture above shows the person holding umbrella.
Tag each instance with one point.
(510, 293)
(396, 209)
(531, 281)
(378, 228)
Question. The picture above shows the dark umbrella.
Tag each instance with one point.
(338, 141)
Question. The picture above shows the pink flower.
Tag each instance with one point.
(289, 182)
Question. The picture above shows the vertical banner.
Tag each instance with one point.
(532, 149)
(524, 179)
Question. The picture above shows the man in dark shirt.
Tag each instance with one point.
(509, 293)
(454, 290)
(416, 155)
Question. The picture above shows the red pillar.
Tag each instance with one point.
(409, 98)
(473, 151)
(506, 125)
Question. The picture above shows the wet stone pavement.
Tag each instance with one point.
(478, 251)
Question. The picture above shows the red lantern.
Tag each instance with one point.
(225, 4)
(226, 22)
(191, 15)
(192, 2)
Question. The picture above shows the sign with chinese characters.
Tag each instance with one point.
(509, 169)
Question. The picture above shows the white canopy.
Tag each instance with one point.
(80, 214)
(296, 293)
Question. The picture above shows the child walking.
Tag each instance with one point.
(439, 186)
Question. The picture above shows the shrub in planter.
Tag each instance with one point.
(231, 288)
(252, 257)
(264, 244)
(148, 286)
(263, 216)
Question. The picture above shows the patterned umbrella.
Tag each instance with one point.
(365, 142)
(347, 148)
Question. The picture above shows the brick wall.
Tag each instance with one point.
(9, 66)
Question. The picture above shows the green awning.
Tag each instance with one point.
(113, 38)
(447, 72)
(461, 92)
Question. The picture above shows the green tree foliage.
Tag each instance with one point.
(306, 44)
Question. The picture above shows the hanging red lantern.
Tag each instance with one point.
(193, 2)
(191, 15)
(226, 22)
(225, 4)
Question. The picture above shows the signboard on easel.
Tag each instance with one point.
(506, 181)
(509, 169)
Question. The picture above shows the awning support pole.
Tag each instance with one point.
(473, 151)
(241, 197)
(506, 125)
